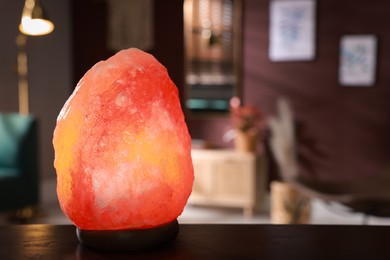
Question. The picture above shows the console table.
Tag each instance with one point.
(228, 178)
(209, 242)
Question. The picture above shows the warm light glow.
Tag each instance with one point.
(35, 27)
(34, 20)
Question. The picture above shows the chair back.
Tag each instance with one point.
(19, 161)
(16, 134)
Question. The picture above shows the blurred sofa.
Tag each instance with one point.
(19, 173)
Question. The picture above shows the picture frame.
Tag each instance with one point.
(358, 55)
(292, 30)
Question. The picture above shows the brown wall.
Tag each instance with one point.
(343, 132)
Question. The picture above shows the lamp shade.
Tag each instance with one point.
(34, 19)
(122, 147)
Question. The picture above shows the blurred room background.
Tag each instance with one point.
(341, 131)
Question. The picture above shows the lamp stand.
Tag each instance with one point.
(21, 40)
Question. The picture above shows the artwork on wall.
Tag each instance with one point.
(292, 30)
(357, 60)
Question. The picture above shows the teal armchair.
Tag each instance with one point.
(19, 179)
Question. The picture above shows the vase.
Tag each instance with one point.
(245, 141)
(288, 205)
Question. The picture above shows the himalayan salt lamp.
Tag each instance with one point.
(123, 154)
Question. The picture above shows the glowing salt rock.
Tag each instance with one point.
(122, 148)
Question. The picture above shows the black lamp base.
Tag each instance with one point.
(129, 240)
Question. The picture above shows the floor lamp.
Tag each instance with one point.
(34, 22)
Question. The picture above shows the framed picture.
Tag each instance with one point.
(357, 60)
(292, 30)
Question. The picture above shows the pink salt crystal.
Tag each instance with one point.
(122, 148)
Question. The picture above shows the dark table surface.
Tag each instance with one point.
(209, 242)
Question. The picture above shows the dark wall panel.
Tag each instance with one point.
(90, 32)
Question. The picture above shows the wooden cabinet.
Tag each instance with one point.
(228, 178)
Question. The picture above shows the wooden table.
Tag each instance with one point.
(209, 242)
